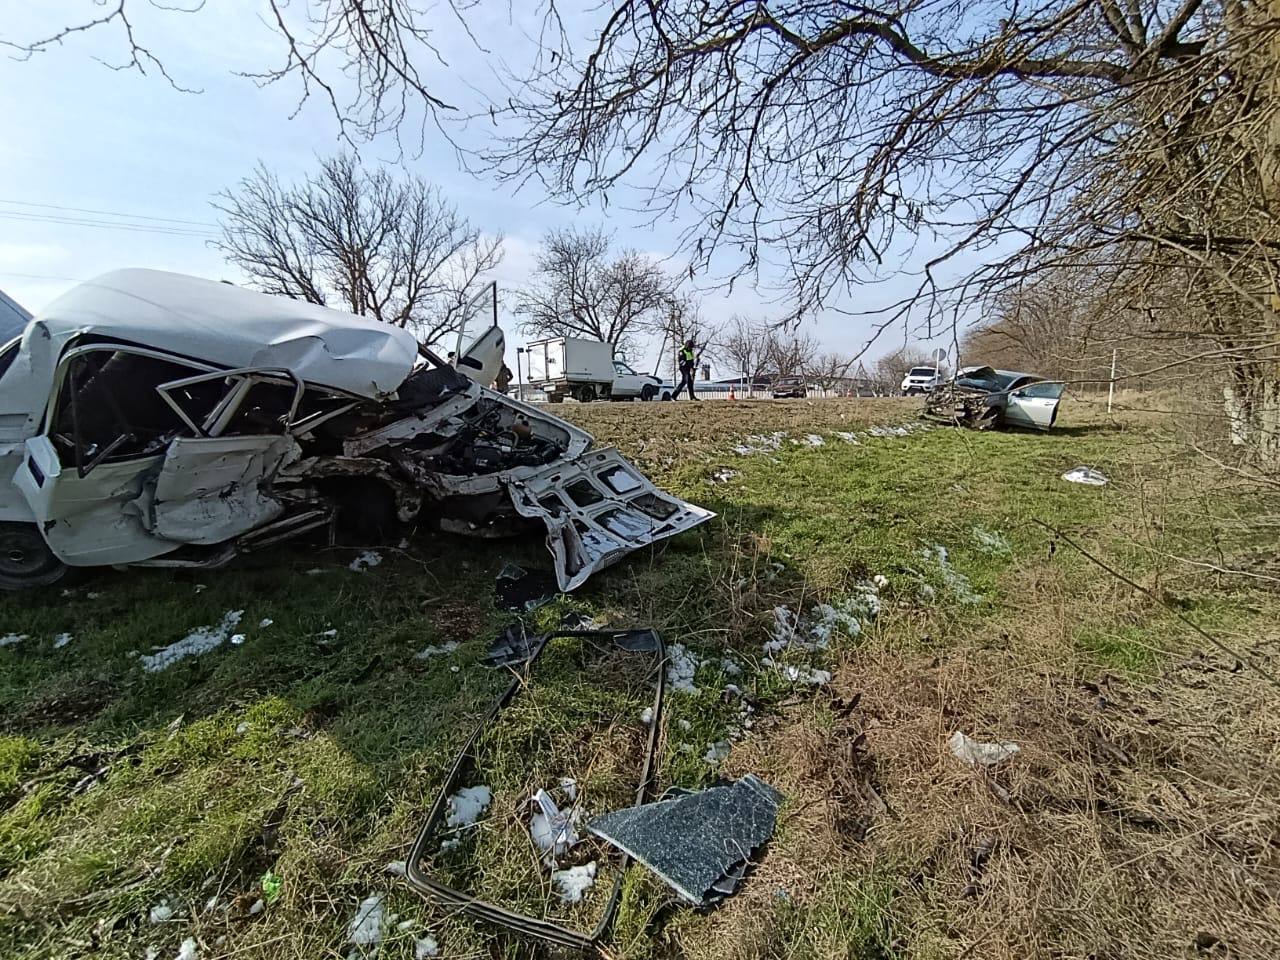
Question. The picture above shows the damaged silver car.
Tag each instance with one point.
(983, 397)
(154, 419)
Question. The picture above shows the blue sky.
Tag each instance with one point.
(80, 135)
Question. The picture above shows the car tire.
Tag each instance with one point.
(648, 392)
(585, 393)
(25, 559)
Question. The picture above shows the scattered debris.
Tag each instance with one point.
(552, 829)
(520, 590)
(440, 650)
(813, 440)
(189, 950)
(880, 581)
(201, 587)
(61, 640)
(723, 476)
(514, 645)
(847, 437)
(314, 572)
(646, 716)
(573, 883)
(395, 868)
(264, 623)
(974, 752)
(10, 639)
(698, 843)
(425, 947)
(366, 561)
(258, 906)
(365, 929)
(198, 641)
(1086, 475)
(237, 639)
(242, 727)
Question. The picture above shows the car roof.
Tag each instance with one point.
(229, 326)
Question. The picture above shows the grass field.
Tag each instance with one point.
(1139, 818)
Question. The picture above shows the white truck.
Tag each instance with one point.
(585, 370)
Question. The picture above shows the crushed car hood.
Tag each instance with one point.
(230, 326)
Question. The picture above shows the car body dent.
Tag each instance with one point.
(248, 453)
(597, 509)
(984, 397)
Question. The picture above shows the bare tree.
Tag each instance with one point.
(831, 135)
(579, 289)
(380, 246)
(744, 344)
(361, 59)
(790, 353)
(829, 369)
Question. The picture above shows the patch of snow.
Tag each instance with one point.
(161, 912)
(974, 752)
(242, 727)
(396, 868)
(93, 595)
(330, 633)
(570, 787)
(153, 953)
(442, 650)
(991, 542)
(425, 947)
(880, 581)
(813, 440)
(723, 476)
(573, 883)
(646, 716)
(682, 664)
(264, 623)
(257, 908)
(10, 639)
(957, 583)
(808, 675)
(237, 639)
(365, 928)
(61, 640)
(467, 804)
(732, 690)
(717, 751)
(760, 443)
(848, 437)
(366, 561)
(684, 725)
(314, 571)
(201, 587)
(198, 641)
(189, 949)
(731, 668)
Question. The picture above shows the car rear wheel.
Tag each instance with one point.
(585, 393)
(648, 392)
(25, 559)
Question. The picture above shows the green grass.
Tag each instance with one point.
(315, 757)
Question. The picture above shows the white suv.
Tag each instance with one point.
(920, 380)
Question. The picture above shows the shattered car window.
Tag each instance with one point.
(1044, 390)
(110, 396)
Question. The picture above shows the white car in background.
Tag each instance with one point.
(920, 380)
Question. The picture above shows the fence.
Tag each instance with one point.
(705, 391)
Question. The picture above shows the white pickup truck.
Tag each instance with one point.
(585, 370)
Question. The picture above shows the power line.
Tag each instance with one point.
(107, 213)
(107, 224)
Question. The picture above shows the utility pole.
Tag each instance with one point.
(1111, 387)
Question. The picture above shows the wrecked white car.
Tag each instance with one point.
(153, 419)
(983, 397)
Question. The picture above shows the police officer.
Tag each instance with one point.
(688, 364)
